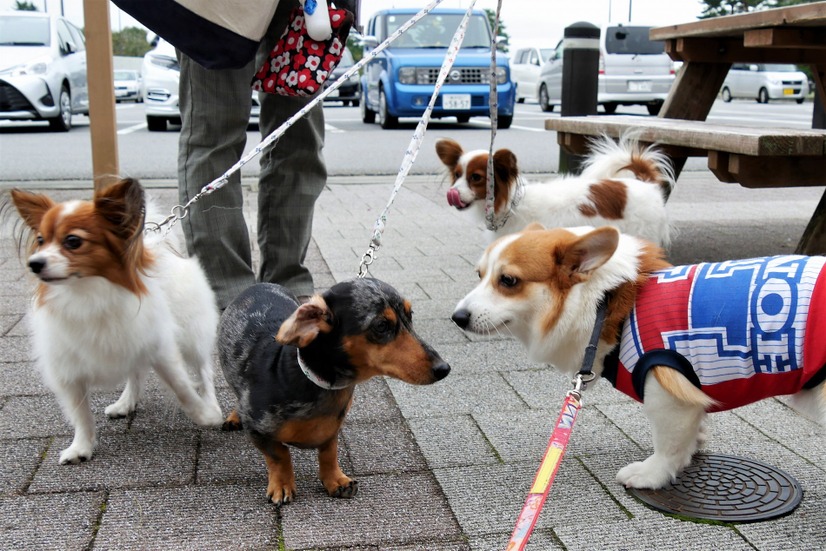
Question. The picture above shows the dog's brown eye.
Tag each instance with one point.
(457, 174)
(475, 178)
(479, 274)
(508, 280)
(40, 240)
(72, 242)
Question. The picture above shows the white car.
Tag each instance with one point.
(525, 67)
(764, 82)
(633, 70)
(42, 69)
(161, 74)
(127, 85)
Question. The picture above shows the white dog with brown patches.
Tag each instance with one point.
(713, 336)
(622, 185)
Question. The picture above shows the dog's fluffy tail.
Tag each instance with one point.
(628, 159)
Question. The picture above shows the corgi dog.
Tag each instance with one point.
(111, 303)
(622, 185)
(682, 340)
(294, 368)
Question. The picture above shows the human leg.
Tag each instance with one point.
(215, 107)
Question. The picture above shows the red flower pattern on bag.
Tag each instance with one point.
(299, 65)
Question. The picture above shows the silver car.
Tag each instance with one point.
(633, 70)
(42, 69)
(764, 82)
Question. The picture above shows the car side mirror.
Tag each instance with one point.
(368, 41)
(68, 48)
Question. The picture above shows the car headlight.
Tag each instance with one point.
(501, 75)
(407, 75)
(38, 66)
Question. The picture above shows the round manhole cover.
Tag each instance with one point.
(726, 489)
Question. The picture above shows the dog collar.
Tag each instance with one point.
(494, 221)
(316, 378)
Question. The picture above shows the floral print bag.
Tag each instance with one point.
(299, 65)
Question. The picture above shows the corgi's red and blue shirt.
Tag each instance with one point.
(740, 330)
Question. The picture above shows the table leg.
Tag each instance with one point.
(693, 95)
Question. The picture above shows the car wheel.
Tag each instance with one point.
(610, 108)
(462, 118)
(386, 120)
(504, 121)
(762, 96)
(544, 100)
(355, 103)
(368, 116)
(520, 100)
(63, 121)
(654, 108)
(726, 94)
(155, 124)
(800, 100)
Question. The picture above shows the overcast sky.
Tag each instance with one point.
(528, 22)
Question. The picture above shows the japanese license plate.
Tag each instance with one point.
(639, 85)
(788, 91)
(456, 101)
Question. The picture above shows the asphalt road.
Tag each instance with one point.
(29, 152)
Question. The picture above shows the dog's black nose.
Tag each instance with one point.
(37, 265)
(461, 317)
(440, 370)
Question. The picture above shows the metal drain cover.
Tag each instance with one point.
(726, 489)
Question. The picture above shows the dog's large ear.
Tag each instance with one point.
(590, 251)
(448, 151)
(31, 206)
(310, 319)
(122, 205)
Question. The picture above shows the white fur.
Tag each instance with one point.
(677, 426)
(88, 332)
(556, 203)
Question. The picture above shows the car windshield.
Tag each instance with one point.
(779, 67)
(436, 30)
(24, 31)
(546, 54)
(631, 40)
(126, 75)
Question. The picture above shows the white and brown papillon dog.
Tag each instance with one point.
(622, 184)
(110, 303)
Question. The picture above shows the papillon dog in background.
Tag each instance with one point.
(622, 184)
(111, 303)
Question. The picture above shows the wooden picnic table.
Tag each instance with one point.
(753, 157)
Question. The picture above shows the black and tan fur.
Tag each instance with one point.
(354, 331)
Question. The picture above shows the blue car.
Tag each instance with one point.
(400, 80)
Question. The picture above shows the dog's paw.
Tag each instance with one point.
(75, 453)
(232, 422)
(646, 474)
(208, 416)
(119, 410)
(347, 490)
(280, 495)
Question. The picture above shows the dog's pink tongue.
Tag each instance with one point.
(453, 199)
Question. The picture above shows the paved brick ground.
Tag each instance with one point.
(444, 467)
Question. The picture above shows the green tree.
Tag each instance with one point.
(22, 5)
(501, 31)
(716, 8)
(130, 42)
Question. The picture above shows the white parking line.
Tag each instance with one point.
(333, 129)
(130, 129)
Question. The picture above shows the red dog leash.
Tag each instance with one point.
(546, 473)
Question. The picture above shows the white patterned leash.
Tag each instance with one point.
(179, 212)
(492, 221)
(415, 142)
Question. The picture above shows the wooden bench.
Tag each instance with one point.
(753, 157)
